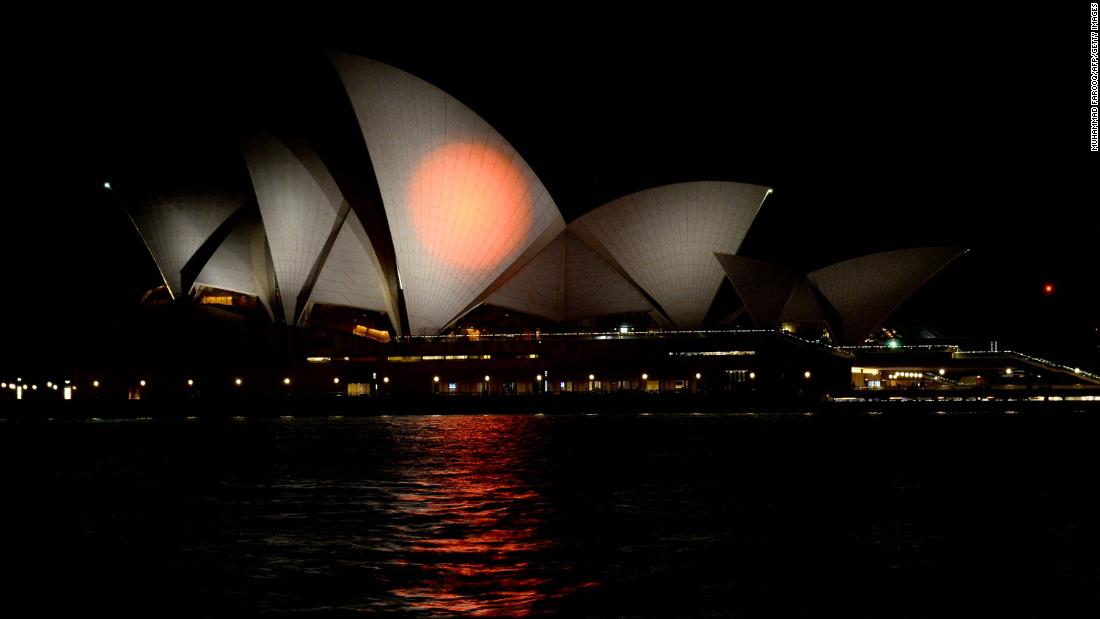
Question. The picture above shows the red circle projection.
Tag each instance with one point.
(471, 206)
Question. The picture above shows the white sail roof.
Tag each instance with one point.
(665, 239)
(462, 204)
(867, 289)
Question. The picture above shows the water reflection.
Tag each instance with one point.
(472, 525)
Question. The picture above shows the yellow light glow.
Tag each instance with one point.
(435, 379)
(486, 378)
(237, 382)
(806, 374)
(142, 383)
(286, 381)
(336, 381)
(645, 376)
(385, 379)
(698, 376)
(216, 300)
(367, 332)
(591, 377)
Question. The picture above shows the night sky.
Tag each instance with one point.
(878, 130)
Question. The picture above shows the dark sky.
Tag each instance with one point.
(878, 129)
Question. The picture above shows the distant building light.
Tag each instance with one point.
(237, 382)
(3, 385)
(1008, 371)
(286, 381)
(892, 343)
(624, 329)
(142, 383)
(591, 377)
(698, 376)
(106, 185)
(942, 371)
(806, 374)
(752, 375)
(336, 381)
(49, 383)
(385, 379)
(645, 376)
(486, 378)
(34, 387)
(190, 383)
(435, 379)
(538, 378)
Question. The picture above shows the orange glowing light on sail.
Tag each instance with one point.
(471, 205)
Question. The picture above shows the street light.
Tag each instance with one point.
(142, 383)
(806, 375)
(386, 379)
(698, 376)
(435, 379)
(286, 381)
(336, 381)
(645, 376)
(237, 382)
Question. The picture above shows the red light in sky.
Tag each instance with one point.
(471, 205)
(1048, 289)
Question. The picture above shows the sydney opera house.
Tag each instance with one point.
(433, 259)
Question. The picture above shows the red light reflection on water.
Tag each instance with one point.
(475, 525)
(471, 205)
